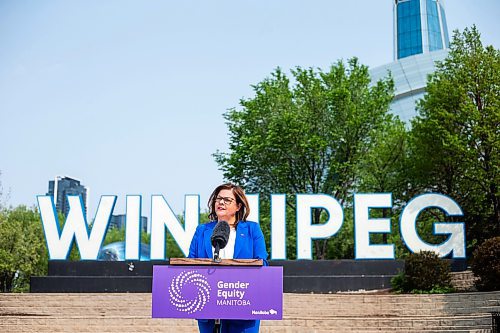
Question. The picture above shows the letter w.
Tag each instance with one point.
(75, 227)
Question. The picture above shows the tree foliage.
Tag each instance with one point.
(4, 197)
(23, 252)
(486, 265)
(172, 247)
(114, 235)
(455, 139)
(308, 136)
(382, 168)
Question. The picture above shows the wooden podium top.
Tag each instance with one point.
(210, 262)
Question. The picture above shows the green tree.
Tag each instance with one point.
(3, 196)
(23, 252)
(306, 137)
(383, 170)
(173, 249)
(114, 235)
(455, 139)
(383, 167)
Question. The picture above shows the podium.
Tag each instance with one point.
(203, 289)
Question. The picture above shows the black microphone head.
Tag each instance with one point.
(220, 235)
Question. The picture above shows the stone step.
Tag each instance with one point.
(309, 321)
(111, 310)
(422, 305)
(302, 313)
(263, 329)
(319, 298)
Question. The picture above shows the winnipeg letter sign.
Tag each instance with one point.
(89, 240)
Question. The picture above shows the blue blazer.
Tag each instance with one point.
(249, 242)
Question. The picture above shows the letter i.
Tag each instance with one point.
(133, 227)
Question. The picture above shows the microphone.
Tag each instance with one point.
(219, 238)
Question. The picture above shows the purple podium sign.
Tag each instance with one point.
(218, 292)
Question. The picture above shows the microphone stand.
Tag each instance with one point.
(216, 326)
(217, 259)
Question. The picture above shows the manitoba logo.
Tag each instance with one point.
(185, 301)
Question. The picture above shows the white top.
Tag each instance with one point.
(228, 251)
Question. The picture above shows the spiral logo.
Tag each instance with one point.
(186, 278)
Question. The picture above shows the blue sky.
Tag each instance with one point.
(128, 96)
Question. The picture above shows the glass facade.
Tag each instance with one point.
(61, 187)
(409, 32)
(433, 27)
(420, 39)
(445, 26)
(420, 27)
(118, 221)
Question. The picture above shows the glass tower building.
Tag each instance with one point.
(61, 187)
(419, 27)
(119, 221)
(420, 39)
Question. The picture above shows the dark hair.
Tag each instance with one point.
(239, 194)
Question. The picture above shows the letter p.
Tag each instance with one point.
(307, 231)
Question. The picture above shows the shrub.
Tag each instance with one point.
(486, 265)
(398, 282)
(424, 272)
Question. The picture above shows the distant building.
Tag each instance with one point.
(61, 187)
(118, 221)
(419, 27)
(420, 39)
(410, 79)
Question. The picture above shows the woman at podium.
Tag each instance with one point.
(245, 241)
